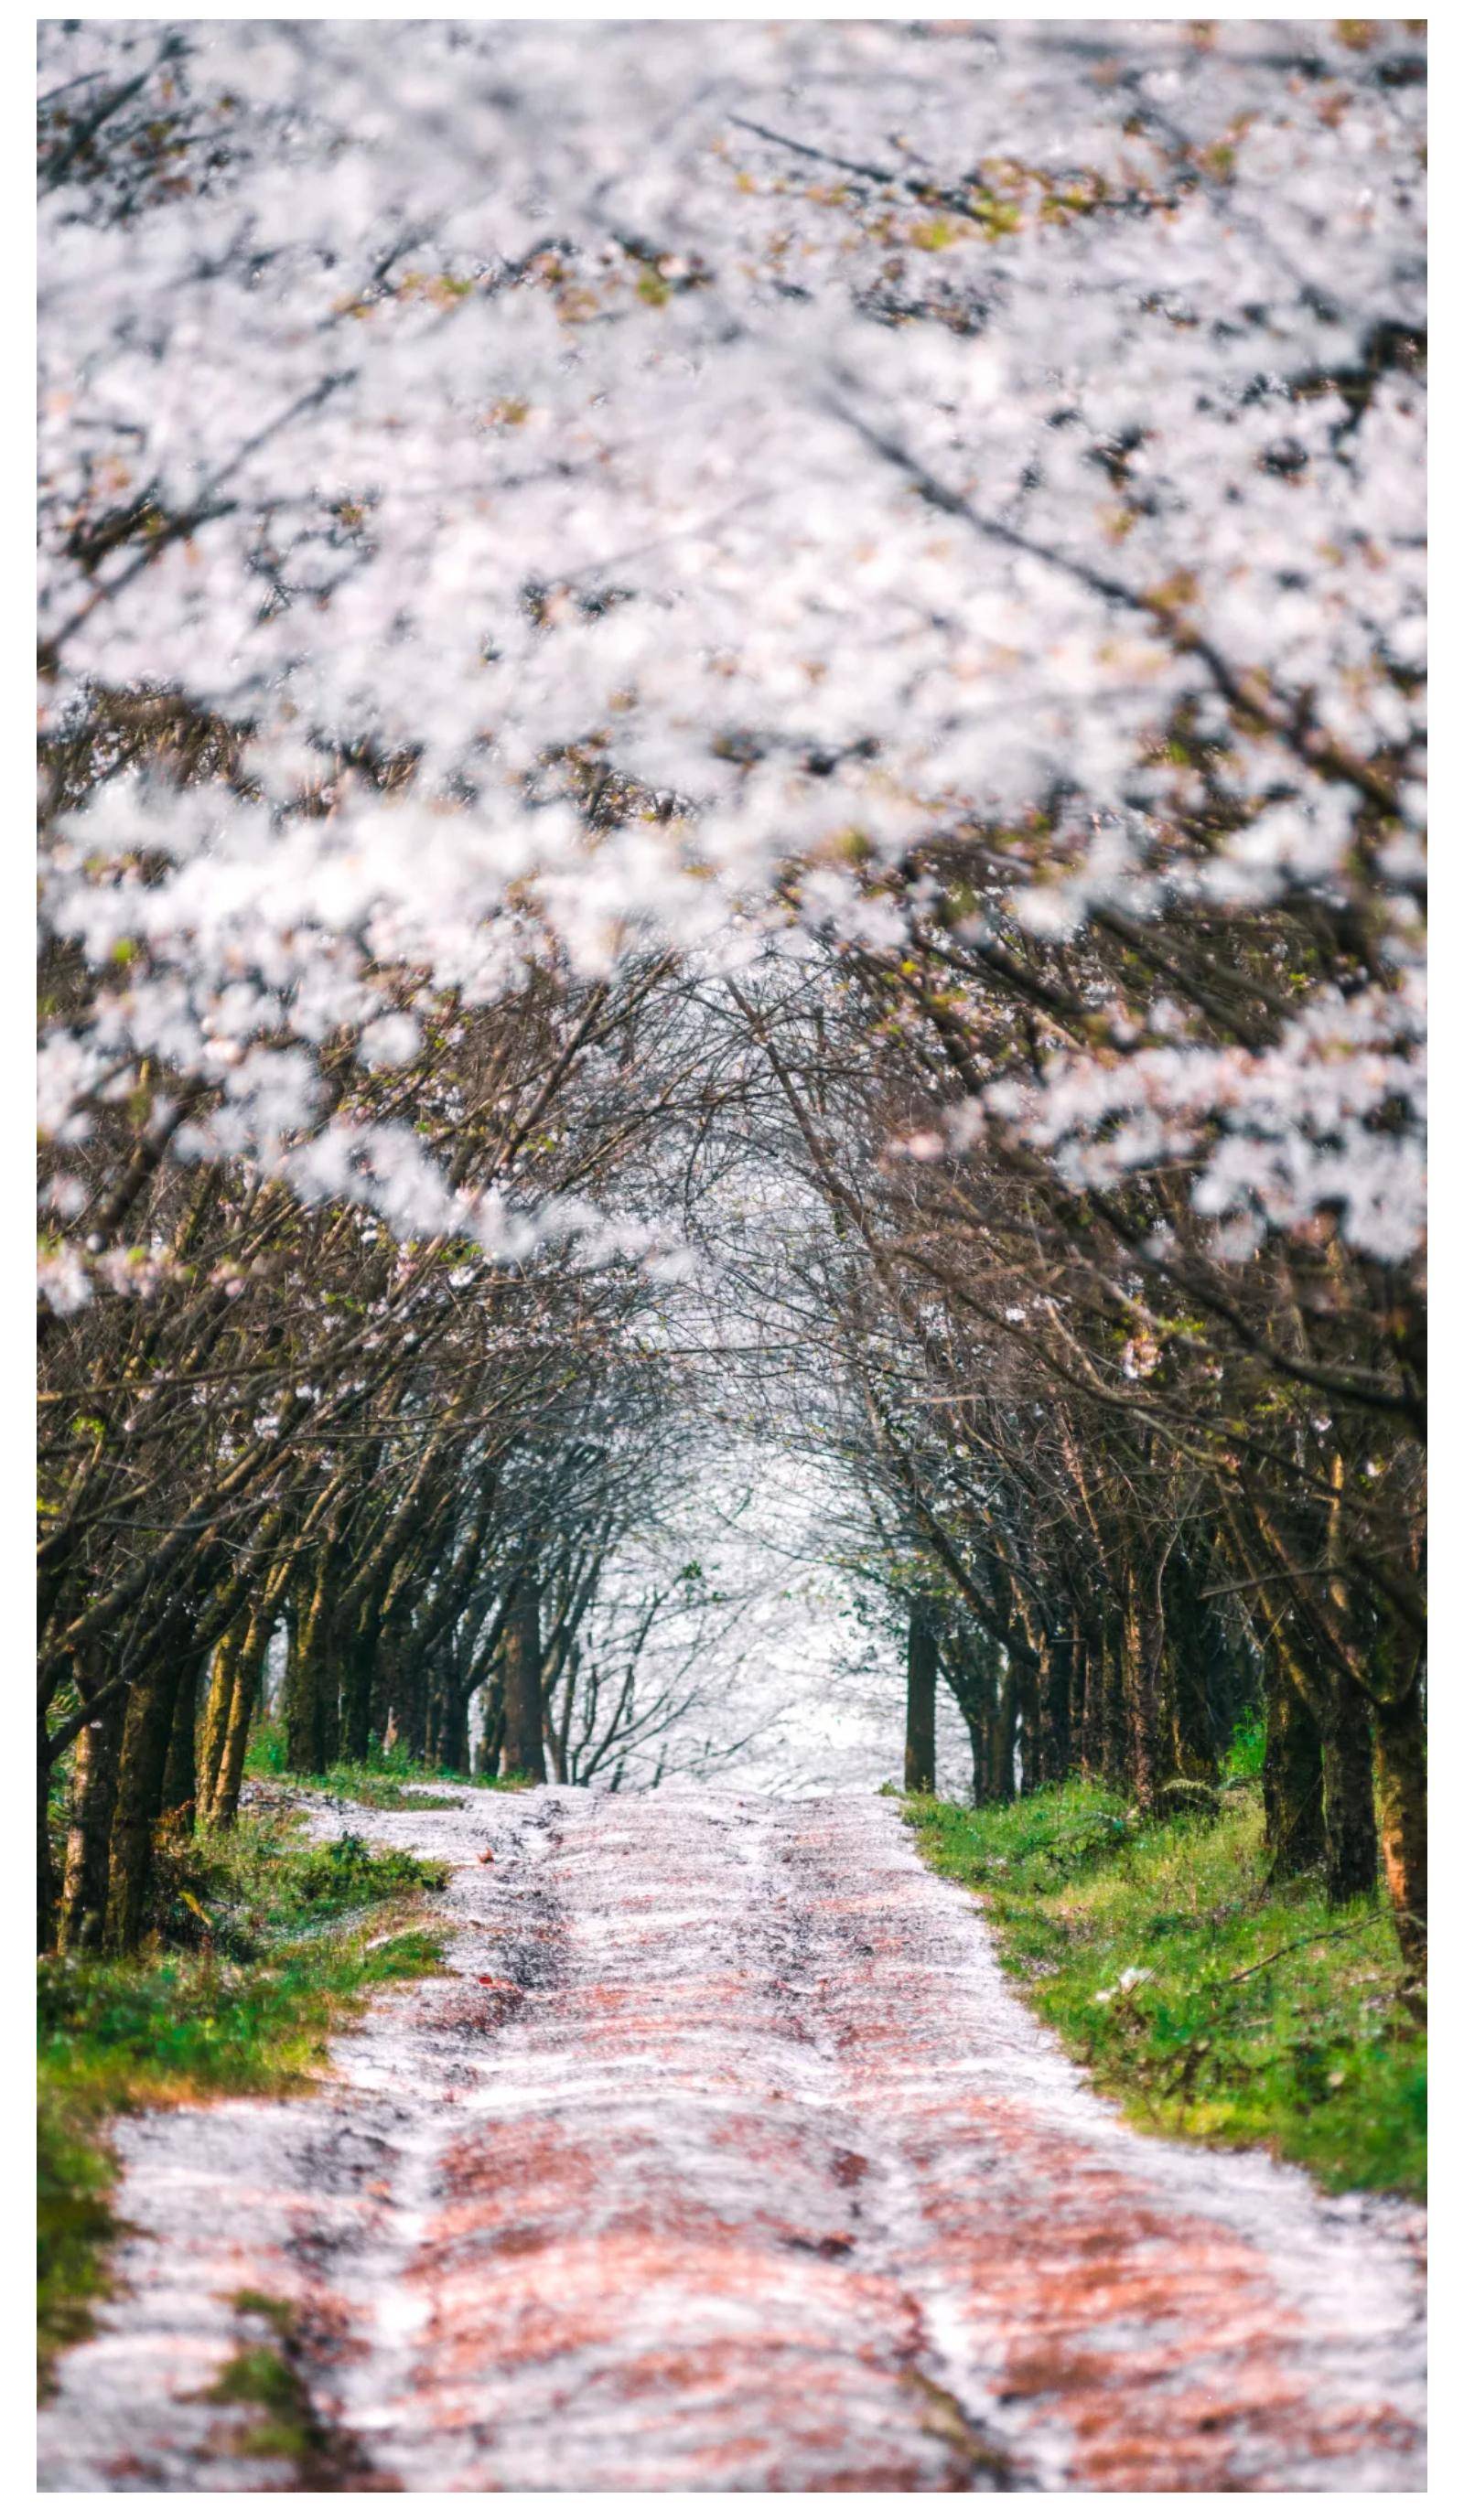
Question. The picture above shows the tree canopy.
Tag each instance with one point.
(786, 654)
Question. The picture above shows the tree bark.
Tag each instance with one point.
(45, 1878)
(216, 1705)
(523, 1752)
(1402, 1793)
(920, 1698)
(1291, 1778)
(1143, 1669)
(358, 1670)
(1348, 1793)
(1193, 1645)
(1003, 1782)
(1112, 1767)
(490, 1749)
(180, 1775)
(1026, 1746)
(1055, 1690)
(447, 1741)
(246, 1676)
(94, 1774)
(311, 1708)
(139, 1794)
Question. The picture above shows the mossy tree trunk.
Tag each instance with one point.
(180, 1774)
(1402, 1752)
(219, 1699)
(311, 1706)
(1291, 1777)
(145, 1734)
(246, 1676)
(94, 1775)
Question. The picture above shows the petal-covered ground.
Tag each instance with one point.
(727, 2160)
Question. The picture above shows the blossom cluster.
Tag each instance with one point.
(816, 435)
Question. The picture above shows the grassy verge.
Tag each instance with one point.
(264, 1945)
(1210, 2004)
(383, 1780)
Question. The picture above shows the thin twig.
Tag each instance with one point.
(1338, 1934)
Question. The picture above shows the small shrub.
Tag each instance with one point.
(266, 1754)
(1246, 1756)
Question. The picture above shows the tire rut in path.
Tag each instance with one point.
(727, 2160)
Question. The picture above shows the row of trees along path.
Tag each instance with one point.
(661, 708)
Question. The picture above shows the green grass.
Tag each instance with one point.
(1210, 2004)
(380, 1781)
(275, 2418)
(281, 2425)
(262, 1945)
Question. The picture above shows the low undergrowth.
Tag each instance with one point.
(262, 1944)
(1210, 2003)
(383, 1780)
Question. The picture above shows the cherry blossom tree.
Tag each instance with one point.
(818, 436)
(611, 520)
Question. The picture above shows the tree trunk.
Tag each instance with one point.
(248, 1671)
(920, 1698)
(1114, 1727)
(311, 1709)
(1192, 1643)
(1348, 1793)
(1055, 1688)
(216, 1707)
(450, 1730)
(358, 1663)
(45, 1879)
(1087, 1686)
(523, 1685)
(1003, 1783)
(490, 1749)
(1291, 1778)
(180, 1774)
(977, 1730)
(1402, 1793)
(401, 1698)
(1143, 1666)
(94, 1774)
(1028, 1727)
(139, 1794)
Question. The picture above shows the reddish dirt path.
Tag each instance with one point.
(727, 2161)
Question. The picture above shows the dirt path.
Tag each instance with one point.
(728, 2161)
